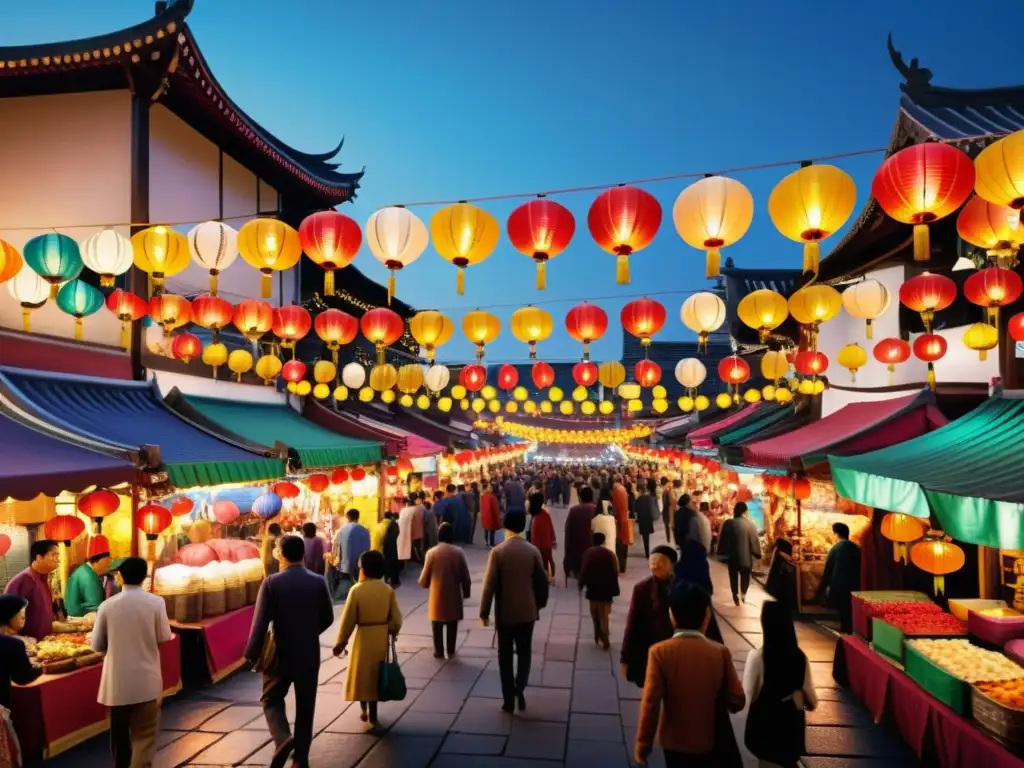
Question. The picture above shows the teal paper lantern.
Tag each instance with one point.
(79, 299)
(55, 258)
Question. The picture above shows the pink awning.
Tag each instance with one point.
(703, 437)
(416, 446)
(854, 428)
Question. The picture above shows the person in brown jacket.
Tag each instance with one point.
(688, 679)
(446, 574)
(516, 582)
(623, 525)
(600, 576)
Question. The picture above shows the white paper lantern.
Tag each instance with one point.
(353, 376)
(29, 290)
(437, 377)
(867, 300)
(703, 313)
(214, 247)
(397, 238)
(691, 372)
(108, 253)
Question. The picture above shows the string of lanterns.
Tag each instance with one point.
(538, 434)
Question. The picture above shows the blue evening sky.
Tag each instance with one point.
(451, 99)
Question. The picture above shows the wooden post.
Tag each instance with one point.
(135, 532)
(139, 183)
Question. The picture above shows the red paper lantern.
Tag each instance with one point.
(392, 473)
(508, 377)
(293, 370)
(318, 483)
(712, 466)
(473, 377)
(287, 490)
(543, 375)
(170, 311)
(891, 352)
(930, 347)
(643, 318)
(182, 506)
(810, 363)
(358, 474)
(382, 328)
(339, 477)
(225, 511)
(336, 329)
(127, 307)
(212, 312)
(783, 485)
(927, 294)
(921, 184)
(5, 544)
(253, 318)
(541, 229)
(586, 323)
(623, 220)
(63, 528)
(647, 373)
(186, 346)
(331, 240)
(993, 288)
(734, 370)
(98, 504)
(291, 323)
(153, 519)
(584, 373)
(801, 489)
(404, 463)
(1015, 327)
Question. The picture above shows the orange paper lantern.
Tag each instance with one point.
(901, 530)
(938, 558)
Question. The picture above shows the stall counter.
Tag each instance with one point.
(215, 647)
(57, 712)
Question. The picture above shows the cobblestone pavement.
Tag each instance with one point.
(580, 712)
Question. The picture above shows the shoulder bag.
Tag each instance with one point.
(390, 680)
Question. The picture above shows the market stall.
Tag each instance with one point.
(704, 437)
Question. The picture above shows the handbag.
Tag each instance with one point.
(390, 680)
(268, 654)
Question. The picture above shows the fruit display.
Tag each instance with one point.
(890, 610)
(57, 648)
(926, 622)
(968, 662)
(1009, 693)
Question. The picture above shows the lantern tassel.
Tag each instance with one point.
(931, 375)
(983, 354)
(79, 331)
(391, 287)
(940, 585)
(329, 282)
(812, 257)
(892, 374)
(26, 320)
(899, 552)
(213, 283)
(542, 276)
(870, 330)
(713, 263)
(53, 291)
(922, 243)
(622, 269)
(106, 281)
(265, 284)
(126, 334)
(460, 281)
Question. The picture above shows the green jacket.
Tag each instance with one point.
(85, 591)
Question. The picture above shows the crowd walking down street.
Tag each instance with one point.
(508, 664)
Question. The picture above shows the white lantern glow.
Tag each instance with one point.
(29, 290)
(214, 247)
(353, 376)
(703, 313)
(867, 300)
(691, 372)
(397, 238)
(437, 377)
(108, 253)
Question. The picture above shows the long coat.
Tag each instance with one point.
(508, 582)
(578, 537)
(372, 613)
(647, 623)
(490, 513)
(446, 574)
(405, 525)
(646, 509)
(739, 543)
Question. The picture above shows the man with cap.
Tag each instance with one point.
(130, 627)
(85, 589)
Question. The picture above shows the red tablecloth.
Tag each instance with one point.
(930, 728)
(224, 638)
(56, 712)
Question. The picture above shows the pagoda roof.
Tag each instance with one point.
(161, 53)
(970, 119)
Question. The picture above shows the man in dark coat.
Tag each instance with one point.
(296, 602)
(578, 528)
(599, 575)
(842, 576)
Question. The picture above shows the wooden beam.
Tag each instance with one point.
(137, 279)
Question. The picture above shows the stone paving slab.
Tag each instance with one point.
(473, 744)
(536, 740)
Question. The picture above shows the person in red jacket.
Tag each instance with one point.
(542, 532)
(490, 515)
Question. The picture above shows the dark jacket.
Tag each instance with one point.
(578, 537)
(390, 548)
(514, 568)
(646, 624)
(14, 666)
(295, 601)
(646, 511)
(599, 574)
(842, 569)
(692, 566)
(739, 544)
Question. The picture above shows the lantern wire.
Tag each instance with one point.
(525, 195)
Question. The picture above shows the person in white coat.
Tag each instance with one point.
(405, 525)
(130, 627)
(604, 522)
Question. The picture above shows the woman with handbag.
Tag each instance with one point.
(778, 684)
(372, 614)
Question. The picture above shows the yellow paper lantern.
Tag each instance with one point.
(723, 400)
(239, 362)
(629, 391)
(659, 405)
(388, 396)
(341, 392)
(410, 378)
(867, 300)
(479, 405)
(752, 396)
(606, 407)
(464, 235)
(444, 404)
(481, 328)
(529, 407)
(291, 387)
(774, 365)
(634, 406)
(546, 407)
(999, 172)
(806, 387)
(819, 386)
(580, 394)
(531, 325)
(521, 394)
(712, 214)
(268, 367)
(431, 330)
(611, 374)
(981, 337)
(160, 252)
(768, 391)
(488, 392)
(811, 204)
(423, 402)
(365, 395)
(783, 396)
(270, 246)
(494, 406)
(459, 392)
(658, 392)
(703, 313)
(853, 357)
(813, 305)
(764, 310)
(565, 408)
(685, 403)
(321, 391)
(303, 388)
(902, 530)
(215, 355)
(383, 377)
(701, 402)
(555, 394)
(511, 406)
(464, 404)
(588, 408)
(406, 401)
(324, 371)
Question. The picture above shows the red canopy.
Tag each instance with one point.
(703, 437)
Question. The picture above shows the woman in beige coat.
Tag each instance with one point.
(372, 612)
(446, 574)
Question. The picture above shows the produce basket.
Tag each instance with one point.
(887, 637)
(996, 626)
(866, 605)
(950, 690)
(1004, 720)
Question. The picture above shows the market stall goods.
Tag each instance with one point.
(869, 604)
(968, 662)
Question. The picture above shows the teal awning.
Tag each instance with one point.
(752, 428)
(270, 425)
(970, 472)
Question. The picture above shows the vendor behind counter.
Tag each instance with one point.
(33, 584)
(86, 590)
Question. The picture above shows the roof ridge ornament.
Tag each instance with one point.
(916, 77)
